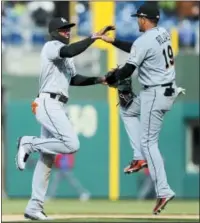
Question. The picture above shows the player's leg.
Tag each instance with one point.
(130, 118)
(153, 107)
(40, 183)
(51, 114)
(34, 209)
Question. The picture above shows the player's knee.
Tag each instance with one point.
(74, 145)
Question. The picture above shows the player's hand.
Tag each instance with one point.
(107, 39)
(100, 33)
(111, 78)
(104, 81)
(104, 30)
(101, 80)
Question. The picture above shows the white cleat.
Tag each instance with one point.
(41, 216)
(21, 156)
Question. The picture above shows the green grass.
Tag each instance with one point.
(66, 206)
(118, 220)
(124, 210)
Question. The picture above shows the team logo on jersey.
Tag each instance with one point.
(63, 20)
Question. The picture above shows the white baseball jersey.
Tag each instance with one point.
(152, 54)
(56, 72)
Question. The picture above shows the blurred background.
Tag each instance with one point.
(24, 31)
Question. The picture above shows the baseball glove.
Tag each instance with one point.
(124, 87)
(111, 78)
(125, 93)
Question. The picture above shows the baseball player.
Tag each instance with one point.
(152, 54)
(57, 134)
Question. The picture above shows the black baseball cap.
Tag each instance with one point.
(148, 10)
(59, 23)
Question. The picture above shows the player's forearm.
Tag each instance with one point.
(122, 73)
(80, 80)
(122, 45)
(126, 71)
(75, 49)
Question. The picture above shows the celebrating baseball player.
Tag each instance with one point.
(57, 134)
(152, 54)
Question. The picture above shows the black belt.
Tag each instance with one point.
(162, 85)
(61, 98)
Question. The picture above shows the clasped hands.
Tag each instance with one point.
(102, 34)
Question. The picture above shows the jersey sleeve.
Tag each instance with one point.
(53, 50)
(138, 52)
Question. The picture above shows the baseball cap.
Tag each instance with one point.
(148, 10)
(59, 23)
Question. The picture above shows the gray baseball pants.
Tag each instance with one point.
(150, 107)
(57, 136)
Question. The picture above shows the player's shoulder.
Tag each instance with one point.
(141, 41)
(156, 31)
(162, 29)
(53, 43)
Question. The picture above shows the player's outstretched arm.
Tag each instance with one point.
(122, 45)
(75, 49)
(80, 80)
(119, 73)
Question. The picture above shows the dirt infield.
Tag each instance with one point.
(8, 218)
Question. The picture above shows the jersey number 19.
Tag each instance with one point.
(169, 56)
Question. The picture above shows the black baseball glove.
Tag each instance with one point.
(124, 87)
(125, 92)
(111, 78)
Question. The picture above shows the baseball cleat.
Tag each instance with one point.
(161, 203)
(21, 156)
(135, 166)
(37, 216)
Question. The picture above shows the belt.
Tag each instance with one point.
(60, 98)
(162, 85)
